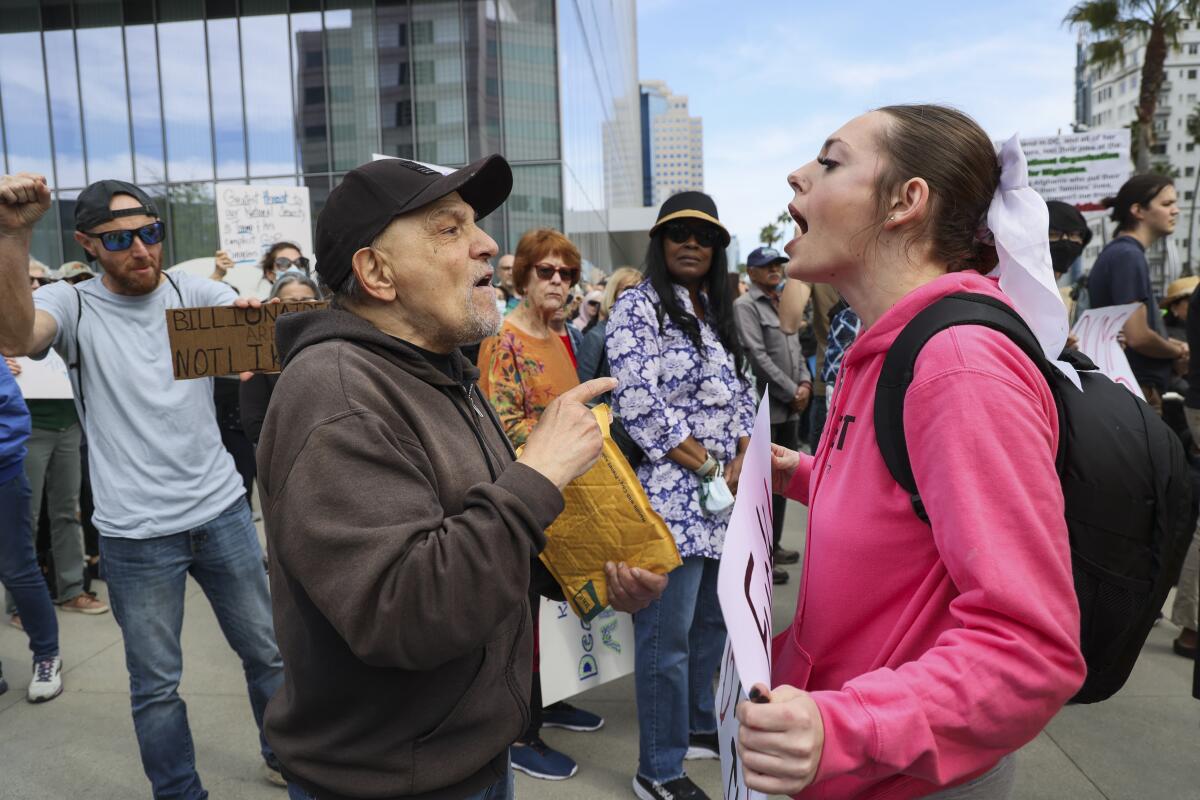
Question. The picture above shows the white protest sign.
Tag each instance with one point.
(252, 218)
(744, 582)
(729, 694)
(1079, 168)
(744, 588)
(1097, 330)
(44, 380)
(576, 655)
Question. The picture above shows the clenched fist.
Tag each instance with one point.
(24, 197)
(567, 441)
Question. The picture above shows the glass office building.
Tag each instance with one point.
(183, 96)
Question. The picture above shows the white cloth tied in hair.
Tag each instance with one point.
(1020, 224)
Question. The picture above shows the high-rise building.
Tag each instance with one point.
(1108, 98)
(183, 96)
(672, 144)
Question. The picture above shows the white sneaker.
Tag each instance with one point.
(47, 680)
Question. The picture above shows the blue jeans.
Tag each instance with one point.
(680, 638)
(146, 583)
(503, 789)
(19, 570)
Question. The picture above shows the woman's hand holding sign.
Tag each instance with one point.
(780, 739)
(784, 463)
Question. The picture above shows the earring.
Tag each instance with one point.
(892, 218)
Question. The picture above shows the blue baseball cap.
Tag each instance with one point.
(764, 256)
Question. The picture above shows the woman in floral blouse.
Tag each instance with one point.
(673, 346)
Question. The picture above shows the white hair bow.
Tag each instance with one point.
(1020, 223)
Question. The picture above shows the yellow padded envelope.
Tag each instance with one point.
(607, 518)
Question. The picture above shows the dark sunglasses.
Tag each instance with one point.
(300, 263)
(43, 281)
(116, 241)
(595, 303)
(569, 275)
(680, 232)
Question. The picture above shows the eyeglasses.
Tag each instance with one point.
(41, 281)
(116, 241)
(1070, 236)
(680, 232)
(284, 264)
(546, 272)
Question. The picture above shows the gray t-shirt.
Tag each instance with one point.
(157, 463)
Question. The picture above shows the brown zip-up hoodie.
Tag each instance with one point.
(401, 538)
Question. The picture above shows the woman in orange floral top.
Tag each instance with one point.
(522, 369)
(527, 365)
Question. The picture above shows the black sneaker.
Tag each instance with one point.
(779, 576)
(3, 683)
(702, 745)
(679, 789)
(784, 556)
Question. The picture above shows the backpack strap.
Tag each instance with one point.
(964, 308)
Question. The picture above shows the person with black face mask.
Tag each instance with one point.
(1069, 234)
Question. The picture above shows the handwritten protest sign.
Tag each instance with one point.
(729, 694)
(46, 379)
(744, 588)
(223, 340)
(252, 218)
(577, 655)
(1097, 331)
(1079, 168)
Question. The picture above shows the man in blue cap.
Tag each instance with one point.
(778, 365)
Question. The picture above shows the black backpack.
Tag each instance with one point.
(1124, 478)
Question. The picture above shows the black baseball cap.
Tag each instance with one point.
(762, 256)
(91, 209)
(372, 195)
(1068, 219)
(689, 205)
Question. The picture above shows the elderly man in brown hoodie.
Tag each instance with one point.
(403, 530)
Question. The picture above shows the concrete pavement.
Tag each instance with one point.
(1144, 744)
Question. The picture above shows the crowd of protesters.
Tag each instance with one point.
(452, 396)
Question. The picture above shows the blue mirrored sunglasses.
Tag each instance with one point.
(115, 241)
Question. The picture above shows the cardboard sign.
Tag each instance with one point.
(744, 581)
(46, 379)
(1097, 330)
(1079, 168)
(223, 340)
(252, 218)
(577, 655)
(729, 694)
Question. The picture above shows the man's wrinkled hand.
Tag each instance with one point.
(631, 589)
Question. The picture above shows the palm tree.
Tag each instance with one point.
(1111, 23)
(769, 234)
(1193, 129)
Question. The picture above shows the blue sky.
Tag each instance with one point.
(773, 78)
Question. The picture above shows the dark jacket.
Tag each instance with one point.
(401, 541)
(254, 396)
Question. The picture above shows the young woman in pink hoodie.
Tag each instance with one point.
(921, 655)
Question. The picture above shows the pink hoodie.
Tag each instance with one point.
(933, 650)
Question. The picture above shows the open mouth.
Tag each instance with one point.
(484, 280)
(801, 222)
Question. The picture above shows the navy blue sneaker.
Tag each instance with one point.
(538, 760)
(565, 715)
